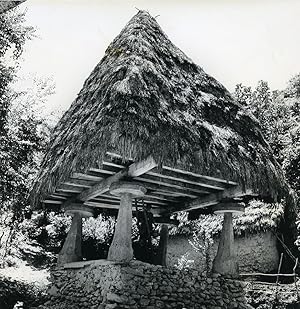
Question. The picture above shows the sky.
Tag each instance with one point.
(236, 41)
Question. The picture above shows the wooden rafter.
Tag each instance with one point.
(201, 177)
(86, 177)
(168, 189)
(190, 178)
(171, 184)
(212, 199)
(134, 170)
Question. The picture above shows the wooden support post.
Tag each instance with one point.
(163, 245)
(121, 247)
(225, 261)
(71, 250)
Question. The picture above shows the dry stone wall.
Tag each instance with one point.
(256, 252)
(140, 285)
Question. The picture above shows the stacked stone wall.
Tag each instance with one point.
(140, 285)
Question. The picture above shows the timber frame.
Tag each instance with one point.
(169, 190)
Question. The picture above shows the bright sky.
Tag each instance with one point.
(236, 41)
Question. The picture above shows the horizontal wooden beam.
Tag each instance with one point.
(212, 199)
(154, 211)
(135, 169)
(56, 202)
(69, 189)
(59, 196)
(79, 183)
(203, 185)
(200, 177)
(86, 177)
(101, 172)
(168, 191)
(172, 184)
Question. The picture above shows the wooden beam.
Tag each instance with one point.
(102, 205)
(187, 180)
(142, 167)
(79, 183)
(199, 176)
(58, 196)
(212, 199)
(52, 202)
(168, 191)
(204, 182)
(86, 177)
(135, 169)
(69, 189)
(100, 171)
(155, 211)
(172, 184)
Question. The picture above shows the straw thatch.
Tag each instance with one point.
(146, 97)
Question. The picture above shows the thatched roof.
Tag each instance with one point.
(146, 97)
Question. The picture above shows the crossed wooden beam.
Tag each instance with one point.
(170, 189)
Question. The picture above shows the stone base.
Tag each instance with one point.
(107, 285)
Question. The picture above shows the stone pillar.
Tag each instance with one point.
(163, 245)
(71, 250)
(225, 261)
(121, 247)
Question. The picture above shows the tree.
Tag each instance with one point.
(13, 35)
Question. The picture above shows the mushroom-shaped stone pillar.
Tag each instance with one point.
(163, 245)
(71, 250)
(225, 261)
(121, 247)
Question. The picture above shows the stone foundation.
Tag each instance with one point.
(106, 285)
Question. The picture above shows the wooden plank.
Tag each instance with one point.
(52, 202)
(201, 185)
(86, 177)
(142, 167)
(111, 201)
(79, 183)
(212, 199)
(101, 205)
(113, 165)
(58, 196)
(148, 196)
(155, 211)
(115, 155)
(168, 191)
(133, 170)
(171, 184)
(99, 171)
(209, 178)
(70, 189)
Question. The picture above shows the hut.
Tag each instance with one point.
(150, 127)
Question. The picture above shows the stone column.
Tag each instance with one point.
(121, 247)
(225, 261)
(163, 245)
(71, 250)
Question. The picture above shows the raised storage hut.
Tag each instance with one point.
(151, 126)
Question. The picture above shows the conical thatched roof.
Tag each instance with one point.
(146, 97)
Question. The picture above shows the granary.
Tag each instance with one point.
(150, 127)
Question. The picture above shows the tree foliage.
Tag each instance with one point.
(278, 113)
